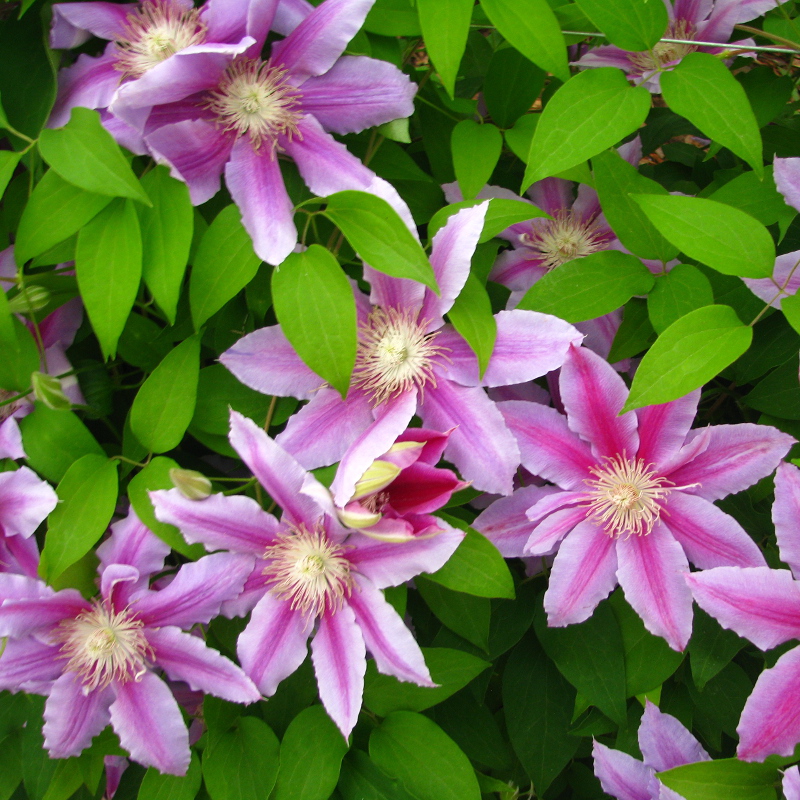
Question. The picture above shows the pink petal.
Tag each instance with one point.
(230, 21)
(551, 194)
(150, 725)
(289, 14)
(422, 489)
(11, 440)
(339, 657)
(386, 636)
(89, 82)
(665, 743)
(784, 281)
(663, 428)
(791, 783)
(787, 179)
(28, 660)
(133, 543)
(265, 361)
(758, 603)
(273, 645)
(389, 292)
(651, 573)
(22, 617)
(73, 717)
(770, 721)
(19, 555)
(584, 573)
(709, 536)
(25, 501)
(518, 269)
(607, 56)
(728, 13)
(621, 775)
(73, 23)
(552, 529)
(786, 514)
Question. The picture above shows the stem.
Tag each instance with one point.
(270, 412)
(771, 36)
(781, 290)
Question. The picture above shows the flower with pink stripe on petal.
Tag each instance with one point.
(312, 575)
(95, 659)
(635, 496)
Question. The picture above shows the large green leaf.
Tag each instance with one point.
(20, 357)
(159, 786)
(316, 309)
(511, 86)
(629, 24)
(8, 163)
(681, 290)
(711, 648)
(759, 198)
(723, 779)
(476, 149)
(465, 614)
(592, 111)
(445, 25)
(362, 780)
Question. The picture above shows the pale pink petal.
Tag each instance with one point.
(784, 281)
(114, 580)
(23, 587)
(25, 501)
(89, 82)
(339, 657)
(73, 717)
(21, 617)
(150, 725)
(289, 14)
(132, 542)
(74, 23)
(555, 502)
(518, 269)
(791, 783)
(770, 721)
(665, 743)
(552, 529)
(389, 292)
(787, 179)
(728, 13)
(20, 555)
(600, 333)
(28, 660)
(663, 428)
(584, 573)
(758, 603)
(265, 361)
(551, 194)
(786, 515)
(230, 21)
(386, 636)
(621, 775)
(607, 56)
(273, 645)
(11, 440)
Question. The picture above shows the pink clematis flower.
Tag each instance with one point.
(665, 743)
(763, 605)
(311, 573)
(635, 495)
(692, 20)
(409, 362)
(95, 660)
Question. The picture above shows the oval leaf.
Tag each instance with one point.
(722, 779)
(158, 786)
(476, 149)
(445, 25)
(20, 357)
(629, 24)
(683, 289)
(512, 85)
(472, 317)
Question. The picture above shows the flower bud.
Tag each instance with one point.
(30, 298)
(47, 390)
(378, 476)
(191, 484)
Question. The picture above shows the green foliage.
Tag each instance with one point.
(626, 23)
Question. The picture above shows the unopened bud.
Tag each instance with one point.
(193, 485)
(378, 476)
(29, 298)
(354, 515)
(47, 390)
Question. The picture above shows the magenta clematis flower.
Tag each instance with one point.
(311, 572)
(95, 660)
(635, 495)
(763, 605)
(409, 362)
(692, 20)
(665, 743)
(394, 498)
(240, 116)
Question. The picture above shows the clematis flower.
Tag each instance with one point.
(95, 660)
(311, 572)
(763, 605)
(394, 498)
(635, 497)
(238, 118)
(665, 743)
(409, 362)
(689, 20)
(791, 783)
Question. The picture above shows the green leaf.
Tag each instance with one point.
(224, 264)
(37, 767)
(450, 669)
(629, 24)
(164, 405)
(379, 236)
(689, 353)
(592, 111)
(476, 567)
(445, 25)
(681, 290)
(759, 198)
(790, 306)
(426, 761)
(108, 265)
(511, 86)
(84, 153)
(589, 287)
(616, 180)
(304, 778)
(20, 357)
(502, 213)
(316, 309)
(711, 648)
(520, 136)
(634, 334)
(55, 210)
(538, 703)
(87, 495)
(243, 763)
(589, 655)
(722, 779)
(465, 614)
(54, 440)
(66, 780)
(362, 780)
(158, 786)
(476, 150)
(472, 317)
(156, 476)
(167, 228)
(778, 393)
(8, 163)
(702, 89)
(392, 18)
(720, 236)
(532, 28)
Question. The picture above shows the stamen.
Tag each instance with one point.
(564, 238)
(395, 354)
(309, 570)
(666, 52)
(376, 502)
(104, 646)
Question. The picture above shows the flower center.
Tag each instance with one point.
(309, 570)
(664, 53)
(103, 646)
(376, 502)
(626, 496)
(254, 98)
(9, 408)
(395, 354)
(564, 238)
(155, 31)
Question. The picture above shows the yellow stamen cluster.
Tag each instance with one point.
(564, 238)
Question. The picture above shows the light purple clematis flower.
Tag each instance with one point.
(409, 362)
(763, 605)
(95, 660)
(665, 743)
(693, 20)
(791, 783)
(635, 496)
(312, 575)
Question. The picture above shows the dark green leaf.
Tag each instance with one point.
(759, 198)
(20, 357)
(722, 779)
(681, 290)
(464, 614)
(711, 648)
(445, 25)
(158, 786)
(778, 393)
(476, 149)
(511, 86)
(634, 334)
(629, 24)
(472, 317)
(392, 18)
(8, 163)
(37, 766)
(362, 780)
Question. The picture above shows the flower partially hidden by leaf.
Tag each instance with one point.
(47, 389)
